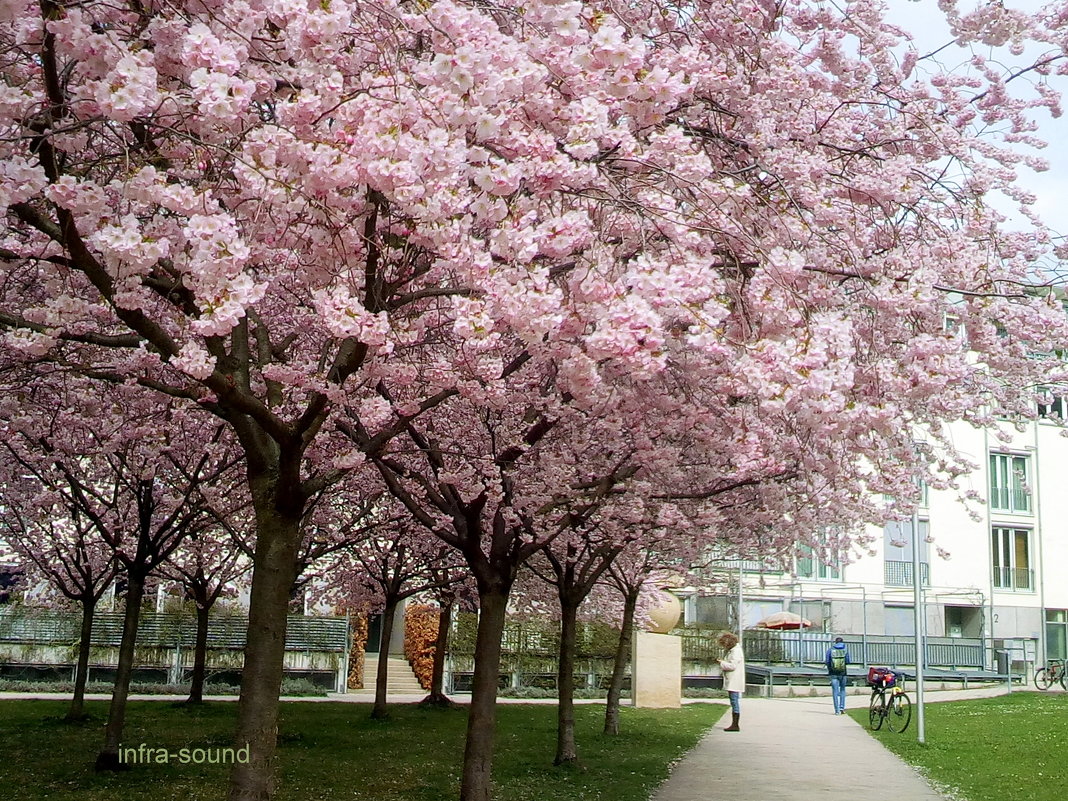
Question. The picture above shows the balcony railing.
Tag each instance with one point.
(1010, 499)
(899, 574)
(1014, 578)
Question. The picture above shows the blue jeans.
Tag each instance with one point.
(838, 688)
(735, 705)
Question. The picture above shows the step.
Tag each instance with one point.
(400, 679)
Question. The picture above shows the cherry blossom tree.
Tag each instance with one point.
(497, 481)
(125, 477)
(294, 214)
(572, 564)
(42, 523)
(146, 500)
(206, 566)
(454, 589)
(382, 570)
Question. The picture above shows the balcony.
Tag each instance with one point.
(899, 574)
(1014, 578)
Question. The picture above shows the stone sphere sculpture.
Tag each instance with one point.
(664, 616)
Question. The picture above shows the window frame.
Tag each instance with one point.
(1006, 565)
(1056, 411)
(1061, 637)
(818, 569)
(1005, 498)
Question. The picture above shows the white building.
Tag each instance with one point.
(1001, 591)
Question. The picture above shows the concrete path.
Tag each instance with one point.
(797, 749)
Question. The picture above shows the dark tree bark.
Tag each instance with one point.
(108, 758)
(619, 667)
(482, 718)
(200, 647)
(566, 750)
(381, 710)
(437, 695)
(575, 572)
(261, 680)
(81, 670)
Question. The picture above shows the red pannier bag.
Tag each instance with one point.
(881, 677)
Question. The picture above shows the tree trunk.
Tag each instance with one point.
(482, 718)
(619, 668)
(566, 750)
(274, 566)
(200, 649)
(81, 671)
(108, 758)
(380, 710)
(437, 695)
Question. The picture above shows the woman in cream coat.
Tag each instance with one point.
(733, 665)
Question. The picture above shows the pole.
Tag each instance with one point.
(864, 617)
(741, 624)
(917, 592)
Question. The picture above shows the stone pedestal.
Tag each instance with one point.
(656, 671)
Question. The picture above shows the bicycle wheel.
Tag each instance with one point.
(1043, 679)
(899, 713)
(876, 712)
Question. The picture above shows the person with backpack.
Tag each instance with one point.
(837, 660)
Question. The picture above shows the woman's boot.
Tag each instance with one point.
(734, 722)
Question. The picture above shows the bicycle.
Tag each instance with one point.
(1053, 672)
(895, 709)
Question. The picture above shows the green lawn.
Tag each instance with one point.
(335, 751)
(1009, 748)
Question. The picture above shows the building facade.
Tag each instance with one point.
(992, 569)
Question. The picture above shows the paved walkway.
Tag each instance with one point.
(797, 749)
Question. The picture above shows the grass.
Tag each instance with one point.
(333, 751)
(1009, 748)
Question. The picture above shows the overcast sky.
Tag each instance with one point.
(929, 32)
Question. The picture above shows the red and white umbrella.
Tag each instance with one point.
(784, 620)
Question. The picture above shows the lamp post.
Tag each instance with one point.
(917, 590)
(741, 623)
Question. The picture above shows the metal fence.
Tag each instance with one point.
(165, 629)
(811, 648)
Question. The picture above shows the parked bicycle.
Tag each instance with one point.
(1053, 672)
(889, 702)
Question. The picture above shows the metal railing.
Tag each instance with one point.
(811, 648)
(1014, 578)
(1010, 499)
(163, 629)
(899, 574)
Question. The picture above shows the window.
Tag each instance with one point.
(1011, 549)
(1008, 483)
(897, 553)
(1052, 406)
(1057, 634)
(811, 565)
(899, 621)
(951, 325)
